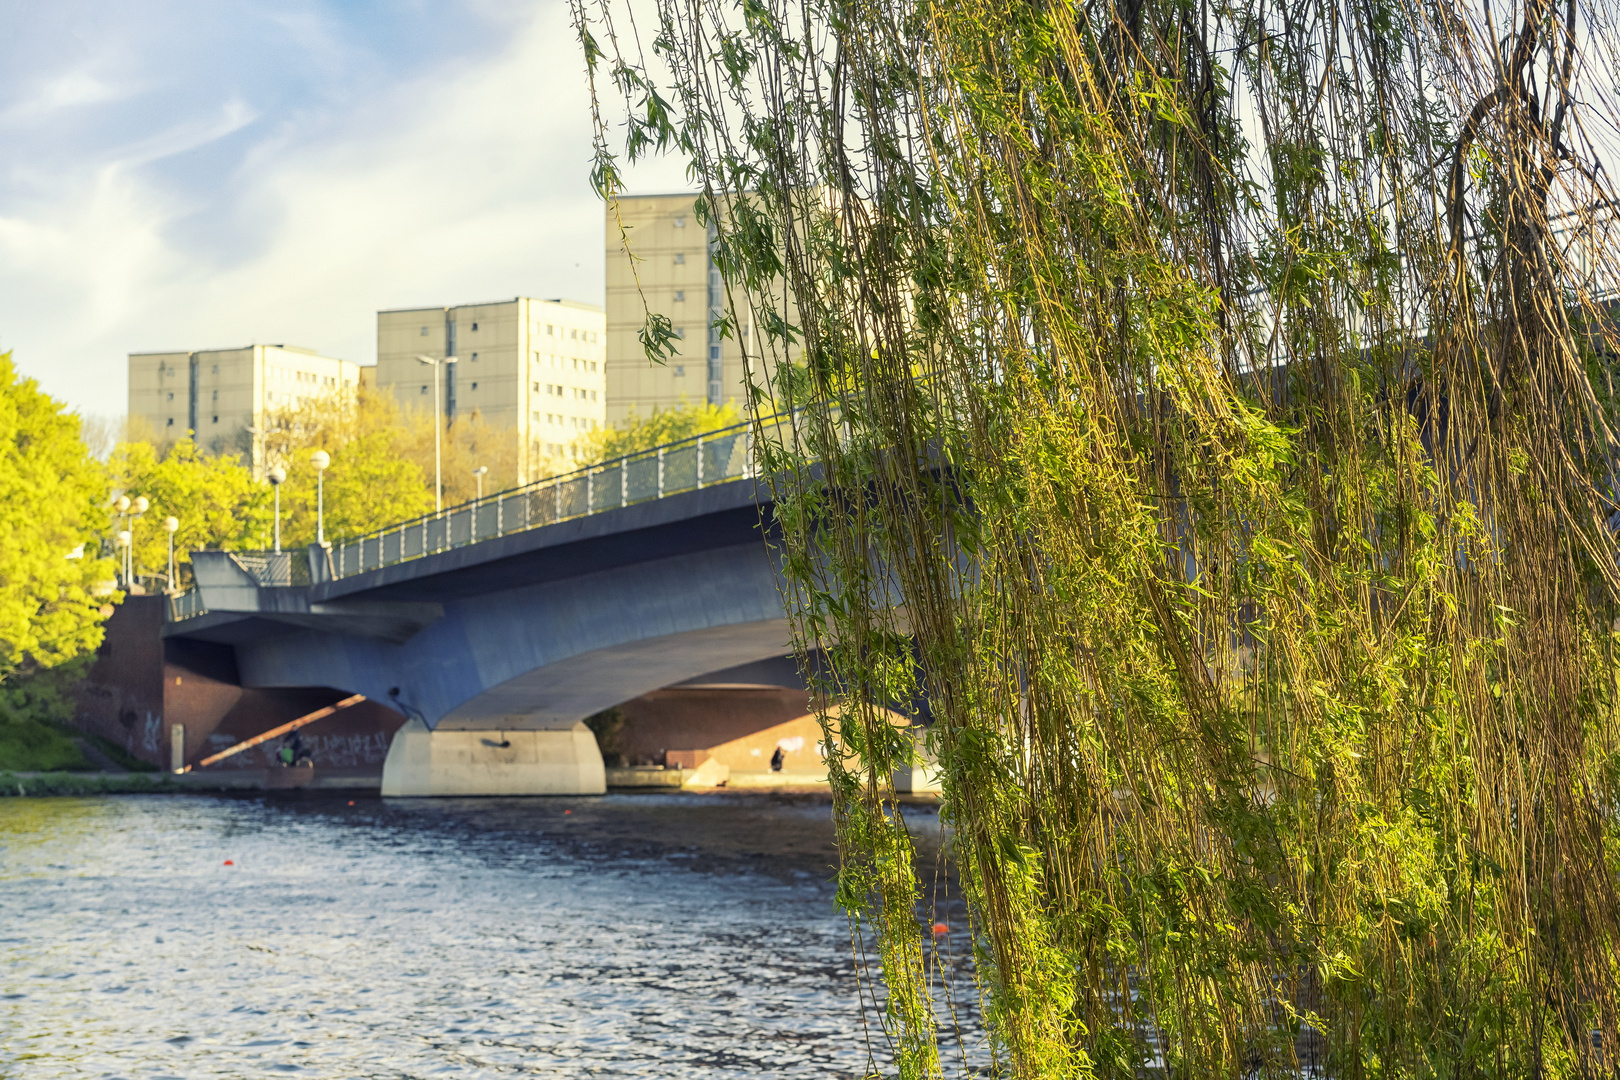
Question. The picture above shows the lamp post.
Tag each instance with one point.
(276, 476)
(320, 459)
(138, 507)
(122, 539)
(122, 506)
(438, 481)
(170, 524)
(479, 474)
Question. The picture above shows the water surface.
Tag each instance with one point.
(647, 935)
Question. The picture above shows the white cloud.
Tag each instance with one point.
(461, 182)
(78, 87)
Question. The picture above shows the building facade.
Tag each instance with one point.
(672, 274)
(534, 366)
(219, 397)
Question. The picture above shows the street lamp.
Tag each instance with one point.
(438, 482)
(479, 473)
(276, 476)
(320, 459)
(138, 507)
(122, 506)
(122, 540)
(170, 524)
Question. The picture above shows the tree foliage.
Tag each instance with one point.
(216, 500)
(1210, 409)
(52, 499)
(375, 477)
(635, 432)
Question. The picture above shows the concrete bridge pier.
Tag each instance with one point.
(429, 763)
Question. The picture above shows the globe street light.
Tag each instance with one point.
(320, 459)
(438, 482)
(170, 524)
(479, 473)
(276, 476)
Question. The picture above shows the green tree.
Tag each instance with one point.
(635, 433)
(53, 581)
(216, 500)
(374, 478)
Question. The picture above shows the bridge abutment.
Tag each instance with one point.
(427, 763)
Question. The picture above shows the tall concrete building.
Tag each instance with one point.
(216, 395)
(535, 366)
(675, 268)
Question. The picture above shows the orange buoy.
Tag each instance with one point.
(229, 863)
(568, 811)
(941, 928)
(351, 802)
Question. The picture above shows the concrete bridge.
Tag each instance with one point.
(499, 626)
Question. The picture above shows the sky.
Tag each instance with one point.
(194, 174)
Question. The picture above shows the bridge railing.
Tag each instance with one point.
(185, 605)
(685, 465)
(700, 461)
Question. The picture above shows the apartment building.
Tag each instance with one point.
(219, 396)
(534, 366)
(674, 271)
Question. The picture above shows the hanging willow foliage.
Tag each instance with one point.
(1206, 407)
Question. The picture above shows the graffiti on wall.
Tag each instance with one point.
(330, 751)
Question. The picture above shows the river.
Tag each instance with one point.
(304, 934)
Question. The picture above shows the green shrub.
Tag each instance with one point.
(36, 710)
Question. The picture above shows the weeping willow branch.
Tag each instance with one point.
(1208, 408)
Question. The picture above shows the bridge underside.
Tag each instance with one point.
(557, 696)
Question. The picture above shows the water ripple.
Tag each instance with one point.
(632, 936)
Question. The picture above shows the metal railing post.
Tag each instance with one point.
(624, 482)
(700, 460)
(556, 487)
(500, 527)
(660, 472)
(590, 492)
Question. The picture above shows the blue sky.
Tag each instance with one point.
(187, 174)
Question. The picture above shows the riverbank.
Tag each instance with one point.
(16, 783)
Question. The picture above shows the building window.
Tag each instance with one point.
(593, 395)
(680, 296)
(216, 369)
(171, 395)
(171, 422)
(216, 419)
(680, 258)
(593, 365)
(475, 386)
(680, 223)
(424, 331)
(475, 358)
(680, 331)
(424, 389)
(680, 370)
(550, 329)
(475, 328)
